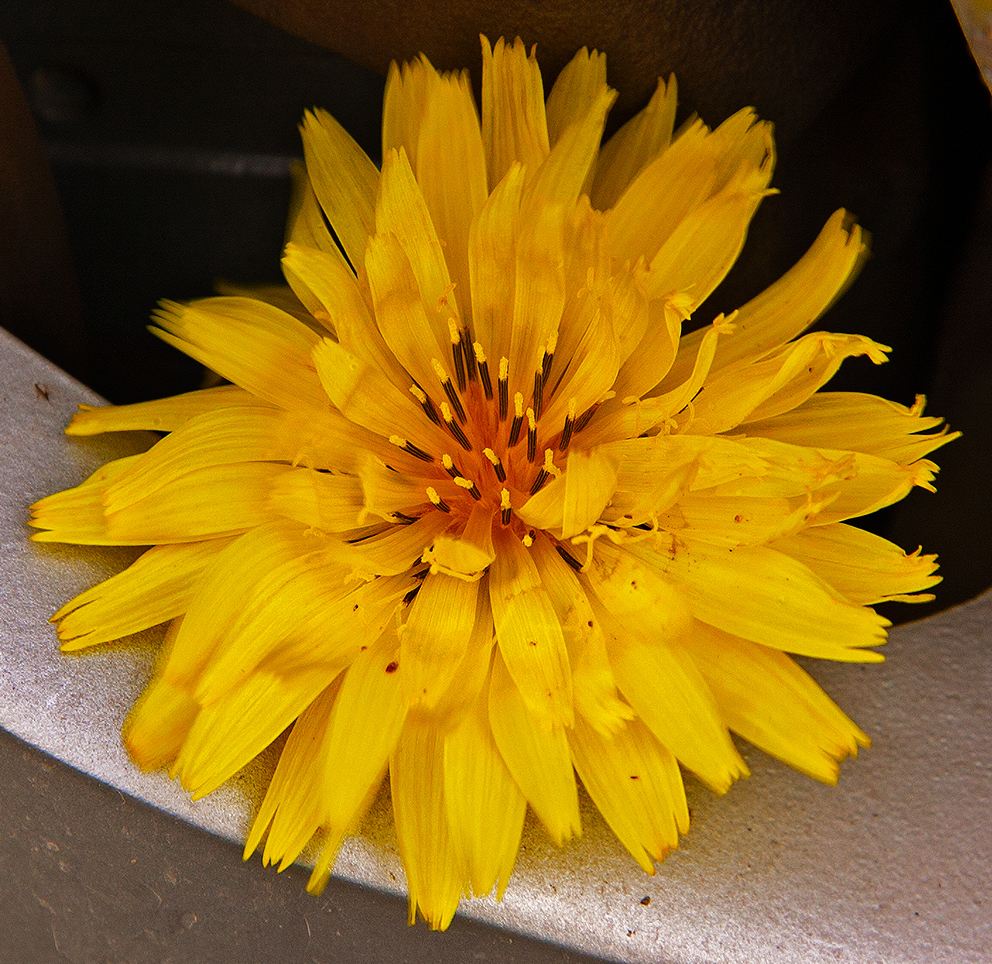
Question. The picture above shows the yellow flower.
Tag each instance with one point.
(476, 513)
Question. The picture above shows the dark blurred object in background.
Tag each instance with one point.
(170, 125)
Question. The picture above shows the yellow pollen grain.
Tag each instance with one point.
(453, 332)
(480, 355)
(550, 466)
(419, 394)
(518, 404)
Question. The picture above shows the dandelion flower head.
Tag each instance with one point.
(475, 512)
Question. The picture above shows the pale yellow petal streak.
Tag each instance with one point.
(256, 346)
(160, 415)
(595, 689)
(864, 567)
(492, 265)
(777, 383)
(536, 753)
(364, 726)
(344, 180)
(434, 872)
(528, 633)
(404, 104)
(646, 619)
(451, 170)
(228, 734)
(402, 212)
(305, 225)
(635, 145)
(331, 503)
(514, 123)
(343, 302)
(434, 637)
(484, 805)
(765, 697)
(367, 397)
(155, 588)
(575, 91)
(289, 811)
(635, 783)
(858, 422)
(789, 306)
(404, 318)
(767, 597)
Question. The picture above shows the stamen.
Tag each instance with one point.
(566, 435)
(549, 355)
(454, 427)
(496, 463)
(456, 353)
(480, 360)
(539, 387)
(470, 486)
(531, 435)
(504, 504)
(549, 465)
(539, 480)
(469, 355)
(518, 418)
(449, 389)
(528, 539)
(425, 403)
(403, 517)
(584, 418)
(449, 465)
(570, 559)
(504, 387)
(409, 447)
(437, 500)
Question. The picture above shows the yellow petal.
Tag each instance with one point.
(643, 138)
(648, 211)
(433, 640)
(528, 633)
(492, 265)
(575, 91)
(408, 87)
(365, 396)
(777, 383)
(434, 873)
(227, 437)
(592, 678)
(254, 345)
(159, 722)
(763, 695)
(790, 305)
(341, 300)
(76, 515)
(451, 171)
(635, 783)
(862, 566)
(344, 180)
(767, 597)
(854, 421)
(331, 503)
(289, 811)
(402, 212)
(514, 123)
(160, 415)
(536, 753)
(484, 805)
(152, 590)
(567, 170)
(305, 224)
(228, 734)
